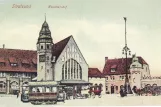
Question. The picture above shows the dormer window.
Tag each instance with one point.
(2, 62)
(25, 63)
(113, 70)
(13, 62)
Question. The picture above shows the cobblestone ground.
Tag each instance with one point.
(106, 100)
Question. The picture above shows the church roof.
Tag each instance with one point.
(94, 72)
(59, 46)
(119, 65)
(19, 57)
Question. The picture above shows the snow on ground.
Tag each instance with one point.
(106, 100)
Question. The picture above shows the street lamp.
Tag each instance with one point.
(126, 51)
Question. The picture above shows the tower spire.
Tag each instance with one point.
(45, 16)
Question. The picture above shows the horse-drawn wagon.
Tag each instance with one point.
(95, 90)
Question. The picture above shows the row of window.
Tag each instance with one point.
(47, 46)
(120, 77)
(15, 65)
(114, 87)
(71, 69)
(24, 75)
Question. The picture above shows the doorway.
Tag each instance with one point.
(112, 89)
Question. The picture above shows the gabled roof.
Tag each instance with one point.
(119, 65)
(59, 47)
(142, 61)
(94, 72)
(16, 56)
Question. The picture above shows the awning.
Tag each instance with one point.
(75, 82)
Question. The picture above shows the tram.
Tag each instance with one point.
(46, 92)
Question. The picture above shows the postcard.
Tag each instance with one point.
(80, 53)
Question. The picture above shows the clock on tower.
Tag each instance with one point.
(41, 58)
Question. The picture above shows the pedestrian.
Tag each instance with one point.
(64, 95)
(121, 92)
(17, 94)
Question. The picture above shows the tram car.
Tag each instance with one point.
(48, 92)
(95, 90)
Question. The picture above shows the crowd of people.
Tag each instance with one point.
(147, 91)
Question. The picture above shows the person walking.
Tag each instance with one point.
(122, 92)
(17, 94)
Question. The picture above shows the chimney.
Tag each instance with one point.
(106, 58)
(3, 46)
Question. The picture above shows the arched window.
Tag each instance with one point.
(80, 72)
(2, 84)
(69, 69)
(63, 72)
(72, 70)
(66, 70)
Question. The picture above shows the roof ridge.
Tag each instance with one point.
(63, 39)
(59, 46)
(17, 49)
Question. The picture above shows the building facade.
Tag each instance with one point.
(115, 72)
(17, 68)
(62, 62)
(96, 77)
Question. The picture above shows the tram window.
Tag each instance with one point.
(47, 89)
(54, 89)
(33, 90)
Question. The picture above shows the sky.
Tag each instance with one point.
(97, 26)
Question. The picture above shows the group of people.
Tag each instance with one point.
(134, 91)
(139, 92)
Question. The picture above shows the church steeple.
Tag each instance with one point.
(45, 34)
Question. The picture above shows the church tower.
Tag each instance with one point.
(44, 53)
